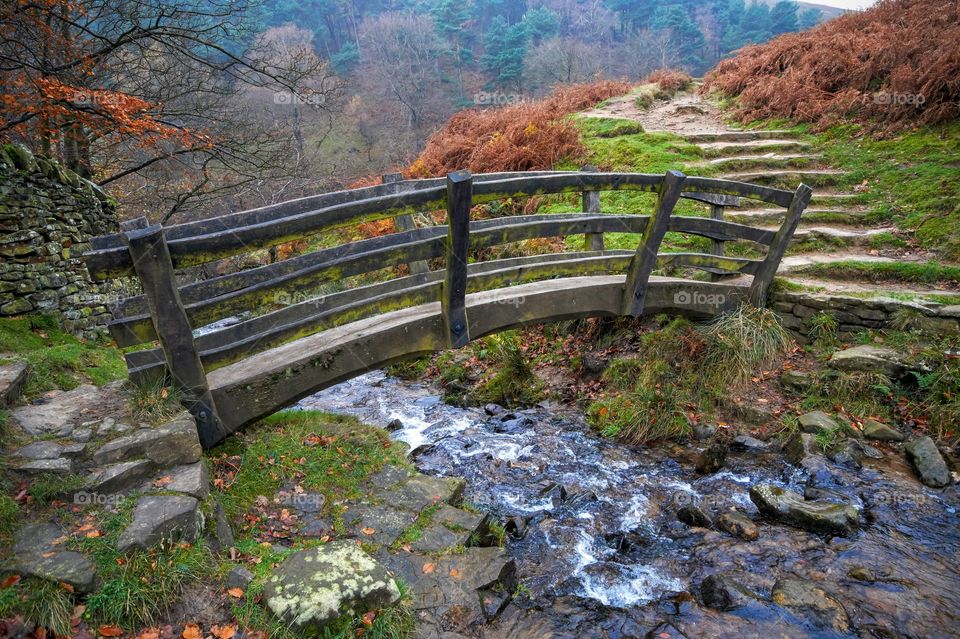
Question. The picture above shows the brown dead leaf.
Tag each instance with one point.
(162, 481)
(191, 631)
(12, 580)
(150, 633)
(223, 632)
(368, 618)
(455, 573)
(110, 631)
(66, 586)
(368, 531)
(428, 568)
(236, 593)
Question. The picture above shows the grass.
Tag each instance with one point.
(891, 272)
(40, 602)
(57, 360)
(513, 383)
(154, 402)
(912, 179)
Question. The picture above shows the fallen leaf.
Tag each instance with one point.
(368, 618)
(47, 555)
(163, 481)
(66, 586)
(191, 631)
(237, 593)
(454, 572)
(12, 580)
(367, 531)
(94, 533)
(223, 632)
(429, 568)
(111, 631)
(150, 633)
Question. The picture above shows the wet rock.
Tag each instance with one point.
(494, 409)
(872, 429)
(724, 592)
(806, 599)
(173, 443)
(928, 462)
(39, 552)
(790, 508)
(394, 425)
(711, 460)
(218, 532)
(115, 478)
(161, 517)
(703, 432)
(190, 479)
(816, 421)
(378, 523)
(313, 587)
(795, 381)
(39, 450)
(239, 577)
(552, 490)
(694, 516)
(747, 444)
(421, 491)
(868, 358)
(58, 466)
(513, 426)
(12, 378)
(665, 631)
(848, 452)
(739, 525)
(861, 573)
(516, 526)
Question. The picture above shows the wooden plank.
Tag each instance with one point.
(151, 259)
(715, 199)
(405, 223)
(646, 258)
(452, 300)
(768, 269)
(716, 246)
(707, 262)
(590, 202)
(768, 194)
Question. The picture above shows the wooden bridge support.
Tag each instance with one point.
(453, 300)
(591, 204)
(645, 260)
(151, 260)
(763, 278)
(405, 223)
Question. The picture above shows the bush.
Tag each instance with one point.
(869, 66)
(670, 81)
(514, 382)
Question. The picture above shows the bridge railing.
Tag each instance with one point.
(167, 314)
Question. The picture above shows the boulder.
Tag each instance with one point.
(739, 525)
(44, 449)
(39, 552)
(161, 517)
(747, 444)
(928, 462)
(118, 477)
(239, 577)
(711, 460)
(12, 378)
(694, 516)
(872, 429)
(722, 592)
(868, 358)
(816, 421)
(703, 432)
(171, 444)
(190, 479)
(790, 508)
(807, 600)
(795, 381)
(314, 587)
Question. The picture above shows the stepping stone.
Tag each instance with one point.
(58, 466)
(39, 552)
(872, 429)
(436, 538)
(171, 444)
(313, 587)
(118, 477)
(807, 600)
(867, 358)
(377, 523)
(39, 450)
(790, 508)
(62, 411)
(420, 491)
(816, 421)
(161, 518)
(928, 462)
(739, 525)
(191, 479)
(12, 379)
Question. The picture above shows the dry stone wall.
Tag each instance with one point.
(47, 216)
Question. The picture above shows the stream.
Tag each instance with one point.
(599, 550)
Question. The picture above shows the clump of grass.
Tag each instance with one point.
(46, 488)
(42, 603)
(893, 272)
(740, 343)
(154, 401)
(514, 382)
(823, 329)
(58, 360)
(858, 393)
(905, 319)
(9, 518)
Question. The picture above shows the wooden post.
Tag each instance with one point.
(405, 223)
(645, 260)
(591, 204)
(151, 260)
(778, 247)
(453, 299)
(716, 247)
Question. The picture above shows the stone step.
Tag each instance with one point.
(844, 217)
(794, 262)
(758, 162)
(788, 179)
(733, 149)
(827, 199)
(835, 235)
(13, 376)
(738, 136)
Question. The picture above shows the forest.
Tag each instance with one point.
(184, 110)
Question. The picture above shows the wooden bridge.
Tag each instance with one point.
(290, 340)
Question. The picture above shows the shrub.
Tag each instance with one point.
(670, 81)
(514, 382)
(870, 66)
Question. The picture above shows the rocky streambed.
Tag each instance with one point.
(618, 541)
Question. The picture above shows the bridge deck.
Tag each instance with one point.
(254, 387)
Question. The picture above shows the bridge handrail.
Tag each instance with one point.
(168, 313)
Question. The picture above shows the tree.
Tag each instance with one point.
(783, 17)
(504, 49)
(560, 61)
(684, 33)
(810, 18)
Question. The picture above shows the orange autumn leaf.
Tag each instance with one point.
(191, 631)
(66, 586)
(223, 632)
(454, 572)
(367, 531)
(150, 633)
(236, 593)
(429, 568)
(163, 481)
(368, 618)
(12, 580)
(110, 631)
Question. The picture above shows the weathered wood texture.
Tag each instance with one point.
(453, 305)
(768, 269)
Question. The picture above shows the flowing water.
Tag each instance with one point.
(594, 532)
